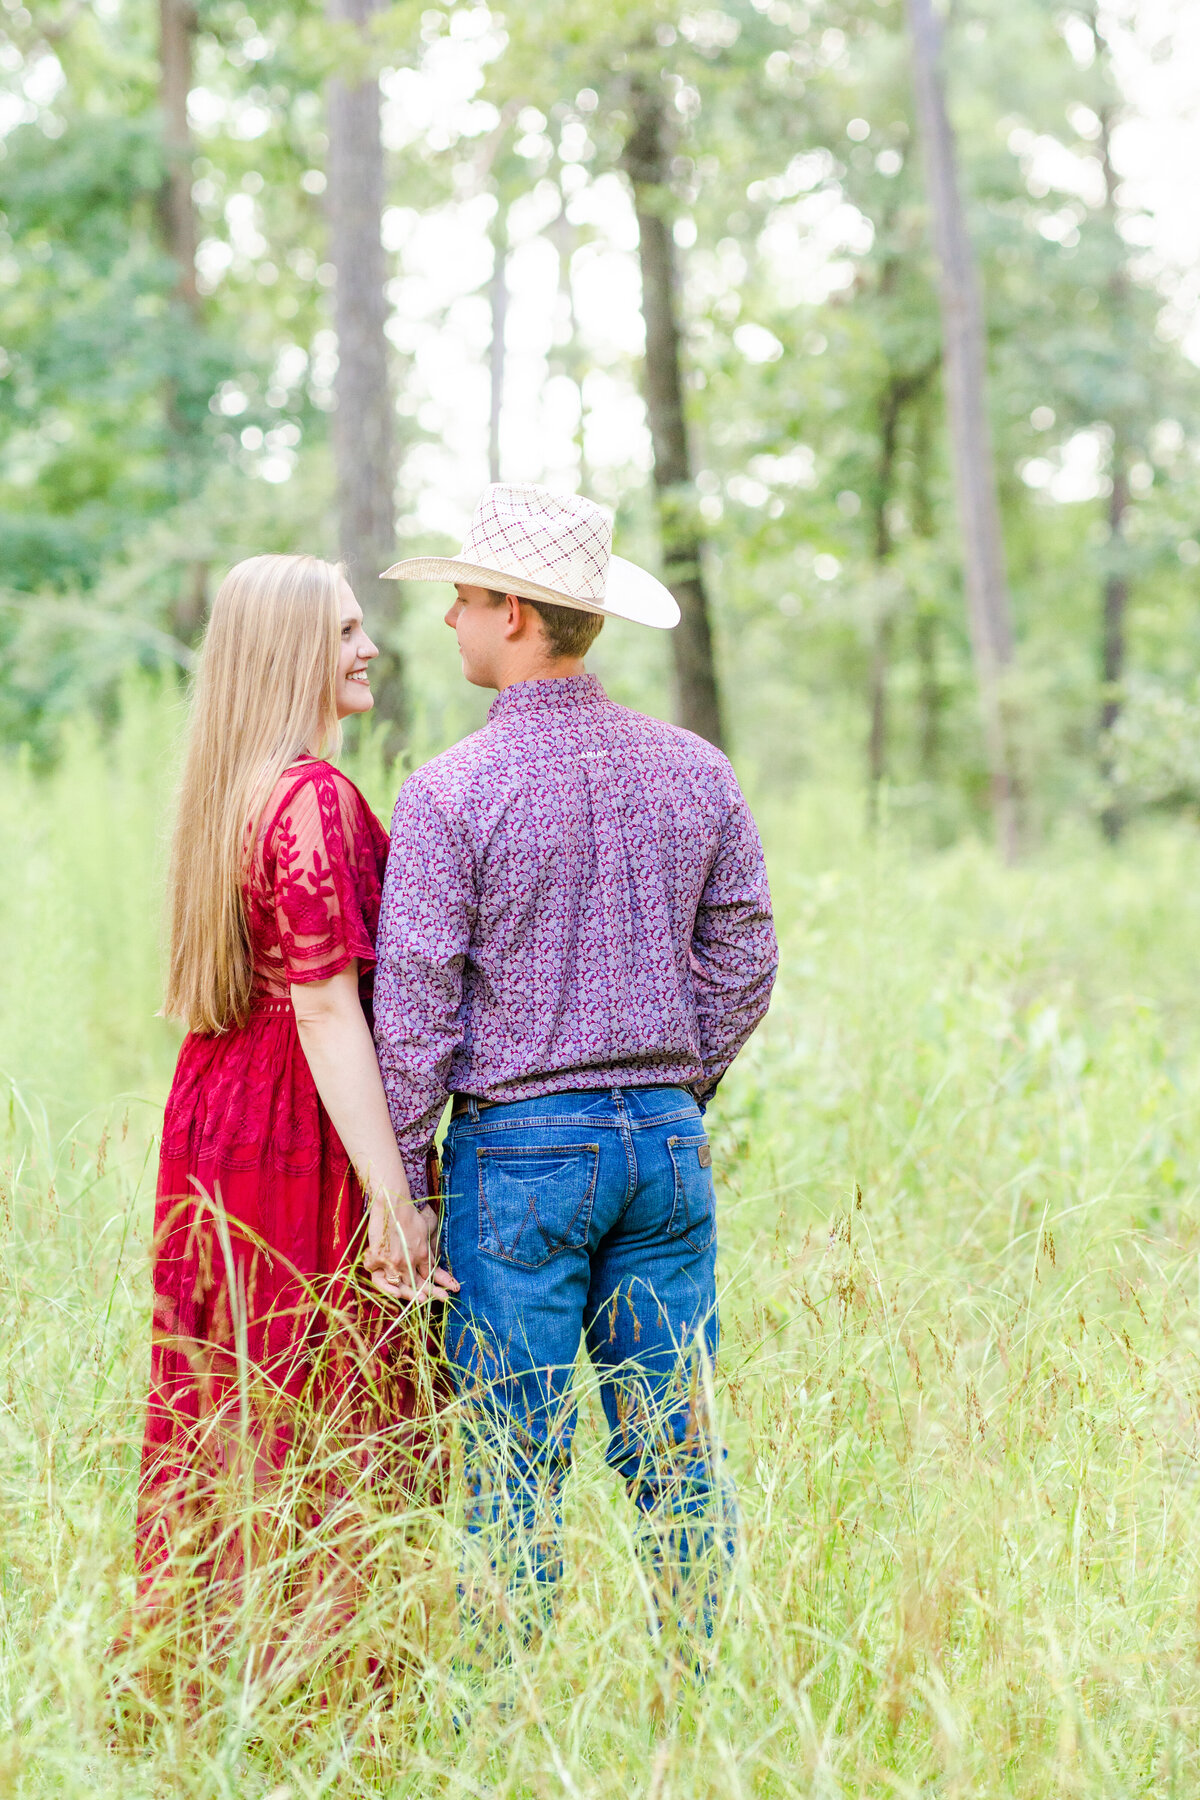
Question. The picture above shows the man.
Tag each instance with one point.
(575, 942)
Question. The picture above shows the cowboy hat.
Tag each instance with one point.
(551, 547)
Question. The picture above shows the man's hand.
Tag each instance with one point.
(399, 1250)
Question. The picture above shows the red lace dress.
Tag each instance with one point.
(266, 1347)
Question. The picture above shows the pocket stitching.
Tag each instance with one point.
(680, 1202)
(584, 1209)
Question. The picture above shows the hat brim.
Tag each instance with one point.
(629, 592)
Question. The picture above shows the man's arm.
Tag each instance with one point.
(734, 953)
(424, 931)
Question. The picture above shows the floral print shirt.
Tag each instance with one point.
(575, 898)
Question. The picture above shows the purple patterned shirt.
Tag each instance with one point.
(575, 898)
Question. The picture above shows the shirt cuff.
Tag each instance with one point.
(415, 1160)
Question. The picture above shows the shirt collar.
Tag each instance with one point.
(565, 694)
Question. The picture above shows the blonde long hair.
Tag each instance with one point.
(265, 691)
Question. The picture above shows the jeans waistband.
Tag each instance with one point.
(471, 1105)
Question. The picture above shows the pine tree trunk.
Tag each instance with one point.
(498, 306)
(364, 437)
(877, 738)
(930, 697)
(881, 534)
(899, 391)
(1116, 580)
(964, 364)
(1116, 593)
(574, 359)
(177, 217)
(1116, 607)
(177, 30)
(929, 694)
(645, 163)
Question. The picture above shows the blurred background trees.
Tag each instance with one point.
(298, 275)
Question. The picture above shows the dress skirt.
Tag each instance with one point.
(277, 1373)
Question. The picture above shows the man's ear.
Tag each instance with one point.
(516, 618)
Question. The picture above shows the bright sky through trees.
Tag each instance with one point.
(443, 255)
(440, 317)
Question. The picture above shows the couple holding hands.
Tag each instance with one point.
(569, 936)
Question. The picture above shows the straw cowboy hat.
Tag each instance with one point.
(552, 547)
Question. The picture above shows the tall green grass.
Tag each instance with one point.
(960, 1365)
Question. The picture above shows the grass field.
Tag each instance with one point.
(960, 1371)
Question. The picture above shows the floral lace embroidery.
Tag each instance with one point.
(246, 1099)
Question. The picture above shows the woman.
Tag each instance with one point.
(267, 1354)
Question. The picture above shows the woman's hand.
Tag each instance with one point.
(336, 1040)
(399, 1251)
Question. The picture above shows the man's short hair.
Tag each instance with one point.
(568, 631)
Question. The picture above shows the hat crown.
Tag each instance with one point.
(562, 541)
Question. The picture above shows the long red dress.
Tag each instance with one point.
(267, 1352)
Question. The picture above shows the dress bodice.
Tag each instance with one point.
(315, 881)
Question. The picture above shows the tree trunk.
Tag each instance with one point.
(1116, 580)
(881, 534)
(364, 437)
(498, 304)
(1116, 593)
(899, 391)
(964, 363)
(881, 658)
(1116, 606)
(574, 359)
(191, 604)
(929, 688)
(177, 218)
(929, 693)
(645, 162)
(177, 30)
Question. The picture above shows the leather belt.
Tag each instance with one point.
(461, 1104)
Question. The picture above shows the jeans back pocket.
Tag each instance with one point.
(694, 1214)
(535, 1201)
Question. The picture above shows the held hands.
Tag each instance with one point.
(399, 1252)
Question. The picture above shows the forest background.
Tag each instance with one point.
(175, 255)
(286, 278)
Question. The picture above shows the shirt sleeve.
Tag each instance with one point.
(318, 913)
(428, 910)
(734, 954)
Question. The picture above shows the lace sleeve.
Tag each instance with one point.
(310, 864)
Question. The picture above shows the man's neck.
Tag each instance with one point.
(563, 668)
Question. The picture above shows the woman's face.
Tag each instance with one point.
(353, 682)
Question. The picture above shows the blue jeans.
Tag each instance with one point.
(585, 1214)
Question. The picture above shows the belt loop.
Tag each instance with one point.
(473, 1109)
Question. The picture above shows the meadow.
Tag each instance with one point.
(960, 1368)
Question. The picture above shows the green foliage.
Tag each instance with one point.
(794, 142)
(1155, 745)
(90, 339)
(812, 340)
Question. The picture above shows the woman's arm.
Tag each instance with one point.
(336, 1041)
